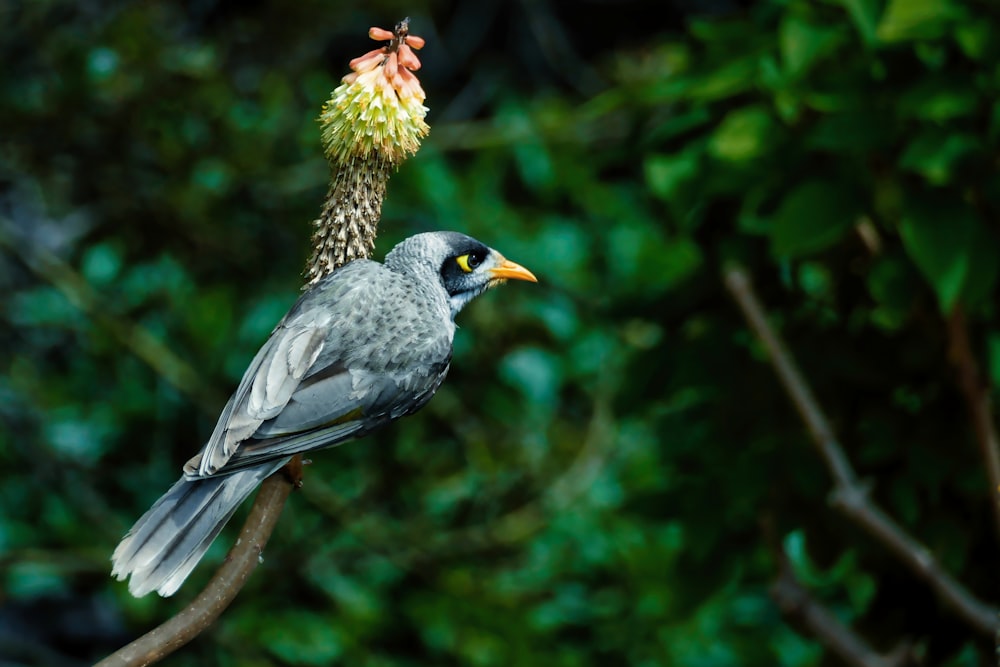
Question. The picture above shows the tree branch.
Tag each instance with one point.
(241, 560)
(977, 396)
(801, 608)
(849, 495)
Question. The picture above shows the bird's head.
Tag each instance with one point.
(466, 267)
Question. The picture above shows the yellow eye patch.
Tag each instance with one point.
(463, 263)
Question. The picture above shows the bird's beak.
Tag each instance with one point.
(508, 270)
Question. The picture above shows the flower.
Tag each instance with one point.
(372, 122)
(378, 108)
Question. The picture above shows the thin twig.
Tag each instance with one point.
(801, 608)
(849, 495)
(241, 560)
(977, 396)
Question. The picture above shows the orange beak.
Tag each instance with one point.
(509, 270)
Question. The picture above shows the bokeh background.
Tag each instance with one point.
(612, 474)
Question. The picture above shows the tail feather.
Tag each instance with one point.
(166, 543)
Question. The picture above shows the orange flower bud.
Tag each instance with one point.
(380, 34)
(391, 66)
(408, 58)
(367, 61)
(415, 42)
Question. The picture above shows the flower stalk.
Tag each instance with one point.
(372, 122)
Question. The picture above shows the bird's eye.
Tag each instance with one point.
(468, 263)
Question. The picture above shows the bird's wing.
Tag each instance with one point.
(318, 381)
(340, 407)
(267, 386)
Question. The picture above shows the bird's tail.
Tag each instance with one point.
(165, 544)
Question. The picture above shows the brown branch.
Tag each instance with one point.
(241, 560)
(803, 610)
(849, 495)
(976, 392)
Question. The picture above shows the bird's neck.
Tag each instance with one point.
(458, 301)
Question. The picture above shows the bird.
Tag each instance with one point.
(367, 344)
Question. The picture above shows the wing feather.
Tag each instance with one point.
(338, 366)
(264, 391)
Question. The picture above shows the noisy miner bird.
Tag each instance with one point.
(366, 345)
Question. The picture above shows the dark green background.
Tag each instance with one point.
(609, 472)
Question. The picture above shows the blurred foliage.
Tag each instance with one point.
(590, 484)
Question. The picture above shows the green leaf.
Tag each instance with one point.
(744, 134)
(681, 258)
(977, 39)
(798, 556)
(794, 650)
(355, 598)
(967, 657)
(680, 123)
(724, 80)
(984, 266)
(301, 638)
(891, 285)
(861, 589)
(43, 306)
(857, 131)
(905, 20)
(815, 280)
(649, 261)
(940, 235)
(535, 372)
(940, 99)
(209, 316)
(213, 175)
(812, 217)
(102, 63)
(667, 174)
(936, 254)
(803, 43)
(101, 264)
(936, 155)
(864, 14)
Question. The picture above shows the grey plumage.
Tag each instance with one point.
(366, 345)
